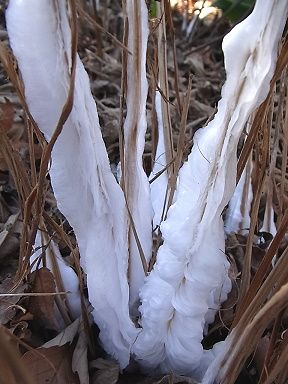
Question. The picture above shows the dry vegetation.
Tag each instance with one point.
(258, 301)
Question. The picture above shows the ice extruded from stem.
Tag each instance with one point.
(190, 277)
(136, 183)
(86, 191)
(268, 222)
(238, 213)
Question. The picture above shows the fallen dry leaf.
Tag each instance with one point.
(176, 379)
(80, 359)
(6, 116)
(9, 242)
(108, 372)
(11, 368)
(53, 367)
(64, 337)
(42, 307)
(8, 306)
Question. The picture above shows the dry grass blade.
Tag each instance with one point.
(168, 14)
(261, 156)
(99, 27)
(152, 67)
(122, 95)
(272, 347)
(262, 112)
(163, 85)
(279, 368)
(32, 153)
(137, 240)
(11, 366)
(277, 277)
(33, 294)
(162, 170)
(16, 167)
(283, 181)
(248, 339)
(262, 270)
(11, 157)
(246, 334)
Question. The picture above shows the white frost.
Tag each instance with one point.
(238, 212)
(86, 190)
(190, 277)
(268, 222)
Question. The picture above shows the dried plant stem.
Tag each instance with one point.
(99, 27)
(262, 112)
(135, 181)
(279, 366)
(12, 364)
(262, 270)
(31, 152)
(122, 93)
(283, 182)
(274, 334)
(248, 339)
(260, 165)
(180, 145)
(163, 84)
(168, 14)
